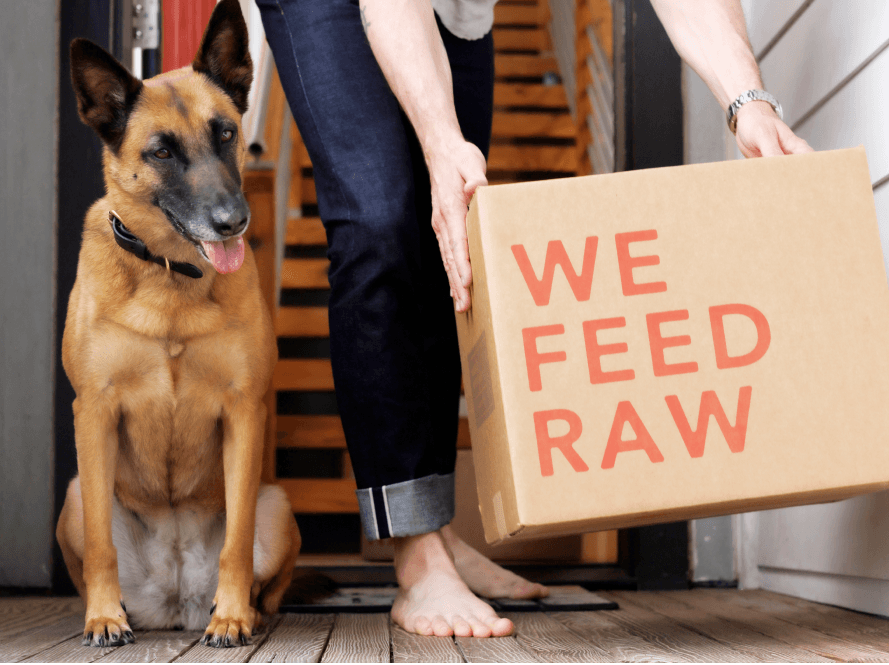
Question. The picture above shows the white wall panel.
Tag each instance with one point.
(824, 46)
(846, 538)
(766, 18)
(857, 115)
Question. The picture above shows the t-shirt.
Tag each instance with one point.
(467, 19)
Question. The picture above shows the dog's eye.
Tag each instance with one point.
(227, 135)
(163, 153)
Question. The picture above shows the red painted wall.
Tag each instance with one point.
(183, 26)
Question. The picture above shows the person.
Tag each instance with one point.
(394, 99)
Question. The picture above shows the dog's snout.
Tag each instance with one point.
(230, 218)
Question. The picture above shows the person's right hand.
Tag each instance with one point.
(455, 171)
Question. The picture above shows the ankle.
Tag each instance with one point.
(416, 556)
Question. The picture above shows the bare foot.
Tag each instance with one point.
(484, 576)
(432, 598)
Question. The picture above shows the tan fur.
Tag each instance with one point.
(170, 374)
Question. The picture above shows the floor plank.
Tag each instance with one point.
(685, 645)
(155, 646)
(298, 638)
(494, 650)
(18, 615)
(755, 645)
(410, 648)
(34, 641)
(71, 651)
(358, 638)
(734, 606)
(552, 642)
(623, 646)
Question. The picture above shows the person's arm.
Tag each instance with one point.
(406, 43)
(711, 37)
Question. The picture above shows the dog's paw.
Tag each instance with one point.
(107, 632)
(230, 631)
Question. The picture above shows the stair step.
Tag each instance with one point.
(305, 231)
(302, 322)
(523, 125)
(530, 94)
(521, 39)
(532, 158)
(304, 274)
(310, 432)
(304, 374)
(521, 65)
(320, 495)
(519, 15)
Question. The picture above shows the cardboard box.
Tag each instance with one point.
(676, 343)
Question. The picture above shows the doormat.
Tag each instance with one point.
(368, 600)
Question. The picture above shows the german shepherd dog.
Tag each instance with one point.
(170, 349)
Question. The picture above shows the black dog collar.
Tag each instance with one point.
(124, 237)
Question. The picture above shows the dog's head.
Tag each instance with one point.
(173, 144)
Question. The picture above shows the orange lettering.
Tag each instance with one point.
(541, 288)
(533, 358)
(625, 413)
(659, 343)
(626, 263)
(694, 439)
(595, 351)
(565, 443)
(763, 335)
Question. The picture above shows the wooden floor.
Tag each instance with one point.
(686, 626)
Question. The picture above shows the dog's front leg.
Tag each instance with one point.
(95, 434)
(233, 619)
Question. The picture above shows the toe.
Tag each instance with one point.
(461, 627)
(480, 628)
(421, 626)
(441, 628)
(501, 627)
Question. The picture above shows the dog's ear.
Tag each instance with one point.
(106, 92)
(224, 55)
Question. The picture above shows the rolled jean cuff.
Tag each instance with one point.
(410, 508)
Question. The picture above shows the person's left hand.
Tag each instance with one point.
(761, 133)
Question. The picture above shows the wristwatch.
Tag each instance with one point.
(731, 115)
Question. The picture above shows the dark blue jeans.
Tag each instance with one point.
(393, 340)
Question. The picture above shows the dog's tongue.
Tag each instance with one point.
(225, 256)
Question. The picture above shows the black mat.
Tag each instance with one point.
(367, 600)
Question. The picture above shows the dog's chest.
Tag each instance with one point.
(171, 419)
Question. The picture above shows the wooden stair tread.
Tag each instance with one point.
(532, 158)
(305, 231)
(521, 39)
(508, 124)
(303, 374)
(530, 94)
(522, 65)
(327, 432)
(320, 495)
(302, 322)
(304, 274)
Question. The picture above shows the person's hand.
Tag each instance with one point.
(455, 172)
(761, 133)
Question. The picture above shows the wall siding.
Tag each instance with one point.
(29, 36)
(829, 67)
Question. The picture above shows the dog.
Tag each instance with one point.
(170, 349)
